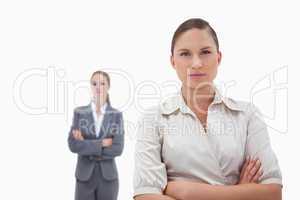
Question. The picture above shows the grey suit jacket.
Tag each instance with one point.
(90, 148)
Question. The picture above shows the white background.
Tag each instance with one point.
(48, 50)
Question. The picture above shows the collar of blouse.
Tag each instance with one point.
(177, 102)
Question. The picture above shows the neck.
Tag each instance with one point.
(198, 99)
(99, 104)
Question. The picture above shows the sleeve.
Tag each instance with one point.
(258, 145)
(84, 147)
(150, 176)
(117, 146)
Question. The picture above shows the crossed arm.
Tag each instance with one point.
(180, 190)
(198, 191)
(107, 148)
(246, 189)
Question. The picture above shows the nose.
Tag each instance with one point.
(97, 89)
(197, 62)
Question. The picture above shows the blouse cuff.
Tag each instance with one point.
(272, 181)
(147, 190)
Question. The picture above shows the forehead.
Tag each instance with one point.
(194, 38)
(99, 77)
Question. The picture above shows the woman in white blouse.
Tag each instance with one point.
(199, 144)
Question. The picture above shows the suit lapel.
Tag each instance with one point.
(90, 118)
(106, 121)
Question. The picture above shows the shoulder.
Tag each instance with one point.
(82, 109)
(151, 111)
(113, 110)
(239, 105)
(248, 109)
(169, 105)
(156, 112)
(150, 116)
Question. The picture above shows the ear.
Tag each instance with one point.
(219, 57)
(172, 61)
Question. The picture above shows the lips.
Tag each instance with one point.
(197, 74)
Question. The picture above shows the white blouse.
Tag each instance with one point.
(172, 144)
(98, 118)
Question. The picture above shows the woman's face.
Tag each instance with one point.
(196, 58)
(99, 86)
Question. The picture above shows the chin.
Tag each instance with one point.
(97, 96)
(198, 84)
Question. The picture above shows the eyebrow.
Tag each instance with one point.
(208, 47)
(97, 81)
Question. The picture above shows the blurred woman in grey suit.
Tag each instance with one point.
(97, 137)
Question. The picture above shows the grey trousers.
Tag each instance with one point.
(97, 187)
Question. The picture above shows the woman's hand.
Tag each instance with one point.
(107, 142)
(77, 134)
(251, 171)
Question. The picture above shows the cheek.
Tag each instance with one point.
(181, 65)
(180, 69)
(182, 62)
(212, 66)
(94, 91)
(105, 89)
(214, 62)
(212, 73)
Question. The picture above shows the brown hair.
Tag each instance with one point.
(190, 24)
(107, 78)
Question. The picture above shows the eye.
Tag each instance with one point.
(184, 54)
(102, 83)
(94, 83)
(205, 52)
